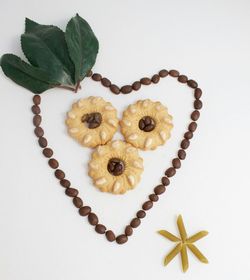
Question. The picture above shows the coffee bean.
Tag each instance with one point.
(181, 154)
(115, 89)
(165, 181)
(116, 166)
(93, 219)
(159, 189)
(197, 104)
(182, 79)
(53, 163)
(195, 115)
(176, 163)
(47, 152)
(135, 222)
(36, 109)
(92, 120)
(42, 142)
(37, 120)
(39, 131)
(90, 73)
(121, 239)
(149, 127)
(98, 117)
(192, 126)
(147, 120)
(77, 201)
(153, 197)
(110, 236)
(163, 73)
(126, 89)
(71, 192)
(93, 125)
(197, 93)
(65, 183)
(128, 230)
(147, 205)
(95, 118)
(192, 83)
(141, 124)
(96, 77)
(89, 118)
(141, 214)
(147, 124)
(170, 172)
(136, 85)
(59, 174)
(174, 73)
(37, 99)
(188, 135)
(85, 210)
(185, 144)
(100, 229)
(105, 82)
(145, 81)
(155, 79)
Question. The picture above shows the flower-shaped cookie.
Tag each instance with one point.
(146, 124)
(92, 121)
(115, 167)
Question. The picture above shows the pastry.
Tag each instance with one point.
(146, 124)
(92, 121)
(115, 167)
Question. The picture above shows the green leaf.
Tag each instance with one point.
(30, 25)
(25, 75)
(82, 46)
(45, 47)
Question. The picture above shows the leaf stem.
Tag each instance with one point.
(77, 86)
(66, 87)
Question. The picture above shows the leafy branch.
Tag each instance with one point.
(57, 59)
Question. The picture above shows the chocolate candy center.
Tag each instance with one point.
(147, 124)
(116, 166)
(92, 120)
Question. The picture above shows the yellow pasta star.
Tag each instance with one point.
(184, 242)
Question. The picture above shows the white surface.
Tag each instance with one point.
(41, 234)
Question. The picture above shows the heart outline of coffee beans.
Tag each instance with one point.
(85, 210)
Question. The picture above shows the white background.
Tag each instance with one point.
(41, 234)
